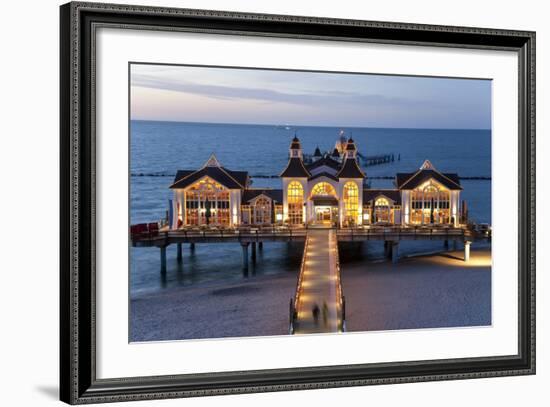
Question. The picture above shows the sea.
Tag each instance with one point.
(158, 149)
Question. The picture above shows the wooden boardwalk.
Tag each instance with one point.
(250, 236)
(319, 285)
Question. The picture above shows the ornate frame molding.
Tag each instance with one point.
(78, 380)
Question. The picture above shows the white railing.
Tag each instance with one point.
(340, 299)
(296, 303)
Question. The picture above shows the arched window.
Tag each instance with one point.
(351, 202)
(207, 202)
(382, 210)
(430, 203)
(262, 210)
(430, 193)
(323, 188)
(295, 203)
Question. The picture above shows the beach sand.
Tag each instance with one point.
(439, 290)
(257, 306)
(420, 292)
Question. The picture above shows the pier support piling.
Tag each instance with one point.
(260, 245)
(245, 256)
(388, 245)
(179, 252)
(395, 252)
(253, 255)
(467, 251)
(192, 247)
(163, 260)
(446, 244)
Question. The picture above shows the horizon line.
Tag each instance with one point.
(309, 125)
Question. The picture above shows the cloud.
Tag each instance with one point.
(312, 98)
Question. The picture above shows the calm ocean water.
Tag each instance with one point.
(161, 148)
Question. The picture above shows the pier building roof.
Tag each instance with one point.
(212, 169)
(275, 194)
(350, 169)
(324, 161)
(324, 174)
(426, 172)
(229, 179)
(373, 194)
(295, 168)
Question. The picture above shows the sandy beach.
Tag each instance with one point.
(256, 306)
(421, 292)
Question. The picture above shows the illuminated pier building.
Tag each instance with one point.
(327, 189)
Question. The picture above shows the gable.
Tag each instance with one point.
(450, 181)
(217, 174)
(323, 169)
(393, 195)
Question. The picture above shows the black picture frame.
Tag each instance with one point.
(78, 382)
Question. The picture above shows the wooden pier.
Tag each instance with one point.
(371, 160)
(319, 287)
(253, 237)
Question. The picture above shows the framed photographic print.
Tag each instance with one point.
(256, 203)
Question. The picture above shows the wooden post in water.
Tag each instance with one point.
(253, 252)
(179, 252)
(163, 259)
(192, 247)
(260, 245)
(446, 244)
(387, 249)
(245, 257)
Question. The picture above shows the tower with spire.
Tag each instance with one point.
(351, 179)
(296, 175)
(350, 166)
(296, 148)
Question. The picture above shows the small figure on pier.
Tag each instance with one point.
(315, 312)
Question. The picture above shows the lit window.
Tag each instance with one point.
(323, 188)
(207, 202)
(262, 210)
(430, 203)
(295, 203)
(351, 202)
(382, 210)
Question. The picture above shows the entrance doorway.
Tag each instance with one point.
(326, 215)
(323, 214)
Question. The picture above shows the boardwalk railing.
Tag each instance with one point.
(295, 302)
(400, 232)
(166, 236)
(248, 233)
(340, 299)
(280, 233)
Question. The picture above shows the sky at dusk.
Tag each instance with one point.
(253, 96)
